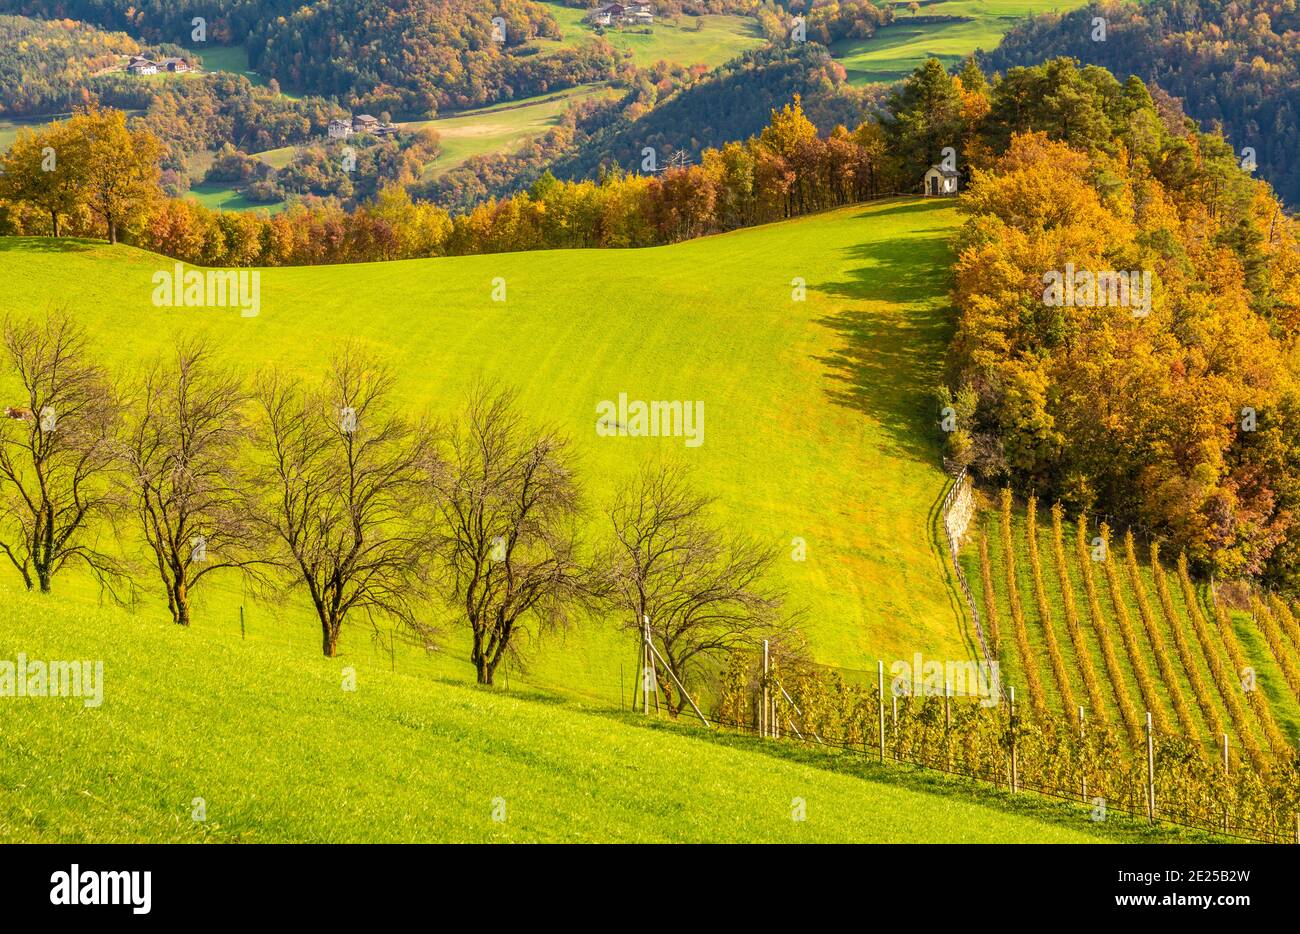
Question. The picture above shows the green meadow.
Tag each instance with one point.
(490, 129)
(818, 433)
(267, 741)
(220, 196)
(898, 48)
(231, 58)
(692, 40)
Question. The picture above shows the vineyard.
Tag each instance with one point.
(1125, 684)
(1101, 621)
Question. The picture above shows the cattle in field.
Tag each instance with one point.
(21, 412)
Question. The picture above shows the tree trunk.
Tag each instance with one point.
(181, 603)
(329, 638)
(54, 222)
(43, 575)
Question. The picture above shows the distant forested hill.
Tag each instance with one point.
(42, 62)
(735, 102)
(1234, 62)
(408, 57)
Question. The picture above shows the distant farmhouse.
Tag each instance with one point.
(622, 14)
(361, 123)
(139, 65)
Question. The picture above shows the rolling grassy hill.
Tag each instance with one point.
(278, 751)
(818, 412)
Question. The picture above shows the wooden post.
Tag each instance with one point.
(880, 692)
(1225, 753)
(1151, 768)
(1083, 772)
(1015, 782)
(947, 724)
(241, 621)
(766, 701)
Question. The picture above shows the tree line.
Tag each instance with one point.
(331, 490)
(1175, 413)
(1231, 64)
(105, 181)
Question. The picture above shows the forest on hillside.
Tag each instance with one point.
(1232, 63)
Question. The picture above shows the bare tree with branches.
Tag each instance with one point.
(186, 448)
(508, 538)
(342, 491)
(705, 593)
(59, 451)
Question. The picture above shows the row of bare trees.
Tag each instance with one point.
(373, 514)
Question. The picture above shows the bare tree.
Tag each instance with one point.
(508, 538)
(186, 448)
(705, 593)
(59, 450)
(342, 492)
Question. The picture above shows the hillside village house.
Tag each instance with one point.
(626, 14)
(940, 181)
(361, 123)
(139, 65)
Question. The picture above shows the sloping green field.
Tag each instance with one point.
(692, 40)
(500, 128)
(278, 751)
(895, 50)
(817, 412)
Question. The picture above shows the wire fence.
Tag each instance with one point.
(990, 738)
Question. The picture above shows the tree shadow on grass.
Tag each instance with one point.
(894, 334)
(47, 244)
